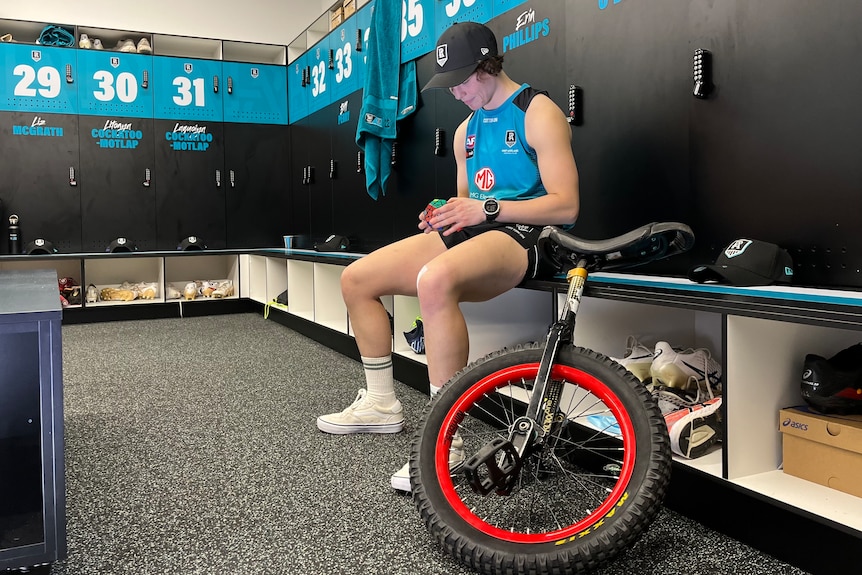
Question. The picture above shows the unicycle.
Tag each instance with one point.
(547, 457)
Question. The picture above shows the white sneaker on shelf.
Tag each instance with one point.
(85, 42)
(400, 480)
(637, 360)
(363, 416)
(97, 44)
(144, 46)
(684, 370)
(126, 46)
(695, 429)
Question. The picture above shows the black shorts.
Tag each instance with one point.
(524, 234)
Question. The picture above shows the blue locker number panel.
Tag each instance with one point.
(115, 84)
(450, 11)
(255, 93)
(38, 79)
(188, 89)
(417, 29)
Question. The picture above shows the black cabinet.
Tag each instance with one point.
(32, 482)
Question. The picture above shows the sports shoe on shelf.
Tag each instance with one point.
(834, 385)
(85, 42)
(416, 336)
(400, 480)
(637, 360)
(92, 294)
(694, 429)
(144, 46)
(363, 416)
(97, 44)
(126, 45)
(223, 289)
(684, 370)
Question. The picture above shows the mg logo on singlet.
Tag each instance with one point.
(484, 179)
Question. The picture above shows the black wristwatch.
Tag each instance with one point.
(492, 209)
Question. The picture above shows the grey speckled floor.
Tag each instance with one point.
(191, 447)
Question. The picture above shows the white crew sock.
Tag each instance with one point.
(379, 380)
(433, 390)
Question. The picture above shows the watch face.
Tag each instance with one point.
(491, 208)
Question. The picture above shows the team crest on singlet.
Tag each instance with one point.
(470, 145)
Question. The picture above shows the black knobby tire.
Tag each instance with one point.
(587, 496)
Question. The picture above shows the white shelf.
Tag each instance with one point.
(300, 288)
(203, 48)
(253, 53)
(817, 499)
(276, 278)
(329, 308)
(257, 280)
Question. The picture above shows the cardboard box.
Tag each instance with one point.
(349, 8)
(825, 449)
(336, 17)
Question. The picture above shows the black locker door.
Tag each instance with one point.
(298, 202)
(190, 197)
(319, 145)
(419, 175)
(775, 152)
(257, 160)
(367, 222)
(117, 196)
(38, 152)
(634, 63)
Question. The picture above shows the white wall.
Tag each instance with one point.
(262, 21)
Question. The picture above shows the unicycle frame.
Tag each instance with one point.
(536, 423)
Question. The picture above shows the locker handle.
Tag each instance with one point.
(147, 178)
(69, 78)
(72, 180)
(215, 84)
(230, 85)
(218, 178)
(333, 168)
(145, 80)
(232, 177)
(359, 162)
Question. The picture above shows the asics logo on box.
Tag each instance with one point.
(794, 424)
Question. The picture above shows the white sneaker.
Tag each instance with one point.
(638, 358)
(684, 370)
(363, 416)
(126, 46)
(144, 46)
(400, 480)
(97, 44)
(85, 42)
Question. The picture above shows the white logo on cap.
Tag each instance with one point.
(442, 54)
(736, 248)
(484, 51)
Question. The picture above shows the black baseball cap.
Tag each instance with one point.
(459, 51)
(747, 263)
(40, 246)
(121, 245)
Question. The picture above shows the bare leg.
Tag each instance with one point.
(391, 270)
(476, 270)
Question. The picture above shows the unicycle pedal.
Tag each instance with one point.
(493, 468)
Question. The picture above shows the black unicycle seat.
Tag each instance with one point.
(648, 243)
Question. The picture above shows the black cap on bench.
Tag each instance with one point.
(121, 245)
(40, 246)
(747, 263)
